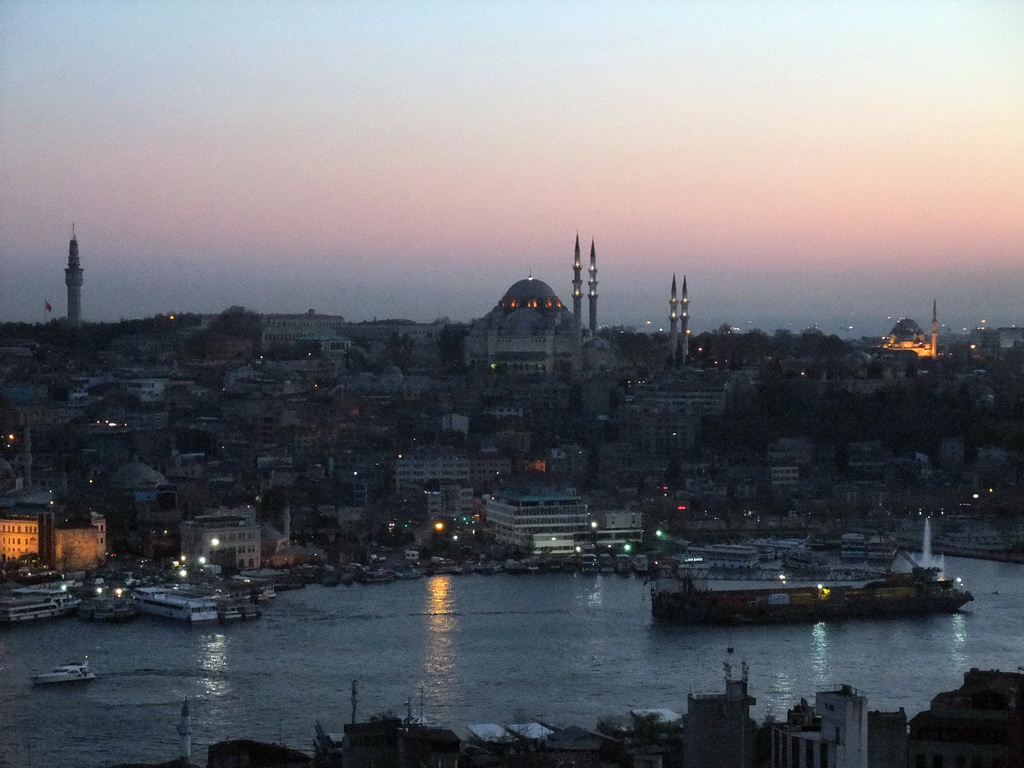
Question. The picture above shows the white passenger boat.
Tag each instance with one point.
(66, 673)
(172, 604)
(30, 604)
(737, 556)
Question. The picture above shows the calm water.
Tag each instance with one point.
(570, 649)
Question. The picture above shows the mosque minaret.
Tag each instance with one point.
(684, 323)
(577, 286)
(592, 291)
(673, 323)
(73, 280)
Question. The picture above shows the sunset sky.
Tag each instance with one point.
(801, 162)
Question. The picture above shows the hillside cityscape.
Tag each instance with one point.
(292, 449)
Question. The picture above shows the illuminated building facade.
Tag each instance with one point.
(538, 519)
(227, 538)
(19, 536)
(907, 336)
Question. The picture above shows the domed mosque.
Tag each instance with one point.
(908, 336)
(529, 331)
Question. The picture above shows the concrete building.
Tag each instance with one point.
(831, 734)
(288, 330)
(539, 519)
(979, 725)
(415, 470)
(449, 500)
(226, 538)
(718, 730)
(615, 529)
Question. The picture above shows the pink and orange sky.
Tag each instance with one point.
(835, 163)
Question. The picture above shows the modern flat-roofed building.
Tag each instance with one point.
(536, 518)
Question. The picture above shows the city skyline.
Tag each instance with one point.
(838, 166)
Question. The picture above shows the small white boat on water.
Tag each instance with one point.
(66, 673)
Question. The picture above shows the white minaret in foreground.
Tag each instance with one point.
(185, 733)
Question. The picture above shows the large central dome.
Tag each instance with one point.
(529, 293)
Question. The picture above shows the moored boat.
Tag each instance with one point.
(66, 673)
(31, 604)
(853, 547)
(172, 604)
(921, 592)
(113, 610)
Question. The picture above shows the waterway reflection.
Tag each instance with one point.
(821, 647)
(213, 662)
(958, 640)
(442, 622)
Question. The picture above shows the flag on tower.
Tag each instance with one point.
(49, 308)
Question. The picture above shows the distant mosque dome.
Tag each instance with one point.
(532, 293)
(907, 336)
(907, 330)
(136, 475)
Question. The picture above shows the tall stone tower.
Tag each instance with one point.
(73, 280)
(673, 323)
(684, 323)
(592, 291)
(577, 286)
(935, 328)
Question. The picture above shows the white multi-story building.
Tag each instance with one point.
(834, 734)
(289, 329)
(227, 538)
(538, 519)
(417, 469)
(449, 500)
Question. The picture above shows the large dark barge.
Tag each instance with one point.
(920, 592)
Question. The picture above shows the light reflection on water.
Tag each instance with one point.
(440, 658)
(820, 650)
(958, 641)
(213, 662)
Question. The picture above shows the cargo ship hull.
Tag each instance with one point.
(917, 594)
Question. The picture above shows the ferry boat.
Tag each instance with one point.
(745, 556)
(880, 549)
(30, 604)
(853, 547)
(66, 673)
(172, 604)
(920, 592)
